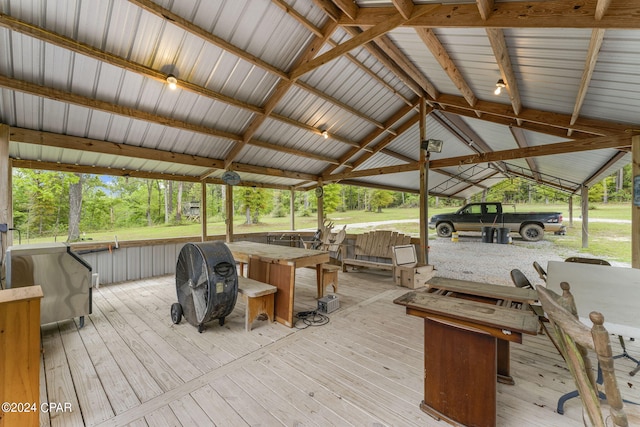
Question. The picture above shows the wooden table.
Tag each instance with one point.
(282, 262)
(467, 330)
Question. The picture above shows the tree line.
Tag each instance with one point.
(67, 205)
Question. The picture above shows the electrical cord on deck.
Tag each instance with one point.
(311, 318)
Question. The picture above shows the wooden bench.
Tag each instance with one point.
(373, 250)
(329, 278)
(259, 297)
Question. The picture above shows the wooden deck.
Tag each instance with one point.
(131, 366)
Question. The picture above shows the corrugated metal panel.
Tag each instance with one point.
(411, 44)
(614, 92)
(548, 72)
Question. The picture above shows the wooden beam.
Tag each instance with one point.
(228, 210)
(409, 167)
(465, 180)
(83, 101)
(6, 205)
(380, 186)
(386, 141)
(339, 103)
(597, 36)
(104, 147)
(484, 8)
(601, 8)
(405, 64)
(102, 56)
(92, 145)
(400, 69)
(512, 121)
(598, 143)
(190, 27)
(330, 9)
(298, 17)
(292, 151)
(281, 90)
(530, 14)
(239, 167)
(500, 51)
(368, 139)
(405, 7)
(558, 120)
(597, 175)
(521, 140)
(348, 7)
(357, 41)
(441, 55)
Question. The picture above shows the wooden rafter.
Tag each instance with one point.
(500, 51)
(441, 55)
(521, 140)
(356, 41)
(405, 7)
(368, 139)
(597, 36)
(103, 147)
(280, 91)
(599, 143)
(601, 8)
(484, 7)
(348, 7)
(530, 14)
(460, 127)
(594, 176)
(562, 121)
(409, 167)
(400, 60)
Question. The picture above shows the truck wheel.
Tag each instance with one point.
(444, 229)
(532, 232)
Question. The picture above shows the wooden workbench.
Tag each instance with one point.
(282, 262)
(467, 330)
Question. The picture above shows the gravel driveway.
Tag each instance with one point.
(470, 259)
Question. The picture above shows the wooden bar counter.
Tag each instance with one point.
(467, 330)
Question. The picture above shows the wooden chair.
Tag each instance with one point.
(574, 340)
(520, 280)
(587, 260)
(540, 270)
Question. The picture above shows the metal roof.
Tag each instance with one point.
(82, 87)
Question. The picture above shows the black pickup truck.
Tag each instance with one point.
(474, 216)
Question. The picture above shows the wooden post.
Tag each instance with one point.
(424, 188)
(635, 210)
(6, 206)
(228, 207)
(571, 211)
(292, 208)
(585, 216)
(203, 210)
(320, 203)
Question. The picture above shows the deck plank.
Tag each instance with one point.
(364, 367)
(220, 412)
(92, 398)
(120, 393)
(59, 381)
(143, 384)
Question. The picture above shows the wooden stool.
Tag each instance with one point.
(329, 278)
(259, 297)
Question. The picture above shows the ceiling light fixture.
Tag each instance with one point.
(499, 87)
(173, 82)
(325, 134)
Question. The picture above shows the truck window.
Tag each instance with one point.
(472, 210)
(492, 209)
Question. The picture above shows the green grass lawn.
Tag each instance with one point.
(608, 240)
